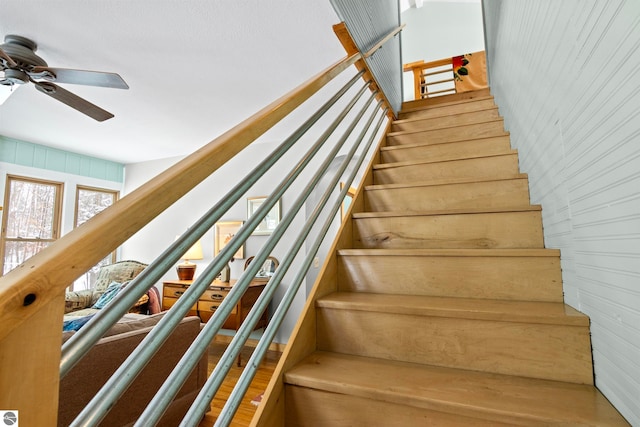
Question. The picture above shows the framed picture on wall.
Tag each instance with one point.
(270, 221)
(224, 231)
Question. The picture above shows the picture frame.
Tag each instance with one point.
(223, 233)
(270, 221)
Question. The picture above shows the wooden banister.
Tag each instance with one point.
(32, 295)
(445, 67)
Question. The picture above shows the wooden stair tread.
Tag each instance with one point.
(456, 98)
(471, 211)
(461, 308)
(461, 392)
(382, 166)
(416, 119)
(410, 132)
(453, 252)
(428, 144)
(448, 181)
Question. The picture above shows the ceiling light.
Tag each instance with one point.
(6, 91)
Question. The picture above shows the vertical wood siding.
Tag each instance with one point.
(368, 21)
(566, 76)
(38, 156)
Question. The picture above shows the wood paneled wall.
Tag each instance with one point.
(566, 76)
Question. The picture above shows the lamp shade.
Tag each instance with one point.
(195, 252)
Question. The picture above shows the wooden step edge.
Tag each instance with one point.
(530, 253)
(546, 313)
(453, 126)
(467, 211)
(421, 104)
(381, 166)
(427, 144)
(462, 113)
(487, 396)
(438, 182)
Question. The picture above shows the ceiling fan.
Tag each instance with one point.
(21, 65)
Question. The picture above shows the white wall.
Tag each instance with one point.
(148, 243)
(566, 78)
(440, 30)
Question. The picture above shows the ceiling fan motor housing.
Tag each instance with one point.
(22, 51)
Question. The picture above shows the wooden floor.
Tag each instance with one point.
(258, 385)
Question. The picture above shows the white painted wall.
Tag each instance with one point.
(566, 78)
(440, 29)
(149, 242)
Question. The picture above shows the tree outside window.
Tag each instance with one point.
(90, 202)
(31, 219)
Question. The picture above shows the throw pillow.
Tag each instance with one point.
(108, 295)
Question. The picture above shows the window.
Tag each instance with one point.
(90, 202)
(31, 219)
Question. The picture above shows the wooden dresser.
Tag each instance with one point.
(208, 303)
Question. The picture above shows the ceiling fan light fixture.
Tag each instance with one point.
(6, 90)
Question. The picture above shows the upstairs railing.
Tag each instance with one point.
(445, 76)
(32, 295)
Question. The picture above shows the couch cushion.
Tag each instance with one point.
(92, 371)
(121, 271)
(77, 300)
(133, 324)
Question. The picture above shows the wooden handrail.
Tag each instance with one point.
(42, 276)
(32, 295)
(342, 32)
(445, 65)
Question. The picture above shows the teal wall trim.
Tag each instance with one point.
(38, 156)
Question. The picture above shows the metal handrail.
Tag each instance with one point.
(99, 406)
(178, 376)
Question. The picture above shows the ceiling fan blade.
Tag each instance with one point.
(10, 62)
(73, 101)
(79, 77)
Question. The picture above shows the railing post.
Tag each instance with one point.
(30, 364)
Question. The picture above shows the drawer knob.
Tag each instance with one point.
(178, 293)
(213, 308)
(217, 296)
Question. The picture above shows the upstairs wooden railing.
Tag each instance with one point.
(32, 295)
(448, 75)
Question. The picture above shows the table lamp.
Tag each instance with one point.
(187, 269)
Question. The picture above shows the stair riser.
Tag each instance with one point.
(444, 100)
(472, 231)
(552, 352)
(460, 133)
(446, 110)
(488, 194)
(478, 168)
(308, 407)
(447, 151)
(502, 278)
(446, 122)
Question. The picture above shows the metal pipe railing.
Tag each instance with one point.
(231, 406)
(223, 366)
(124, 376)
(172, 385)
(78, 345)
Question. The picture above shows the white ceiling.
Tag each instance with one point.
(195, 68)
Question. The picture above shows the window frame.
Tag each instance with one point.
(79, 188)
(56, 220)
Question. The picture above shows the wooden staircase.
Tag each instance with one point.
(449, 309)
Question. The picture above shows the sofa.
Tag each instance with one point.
(83, 303)
(86, 378)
